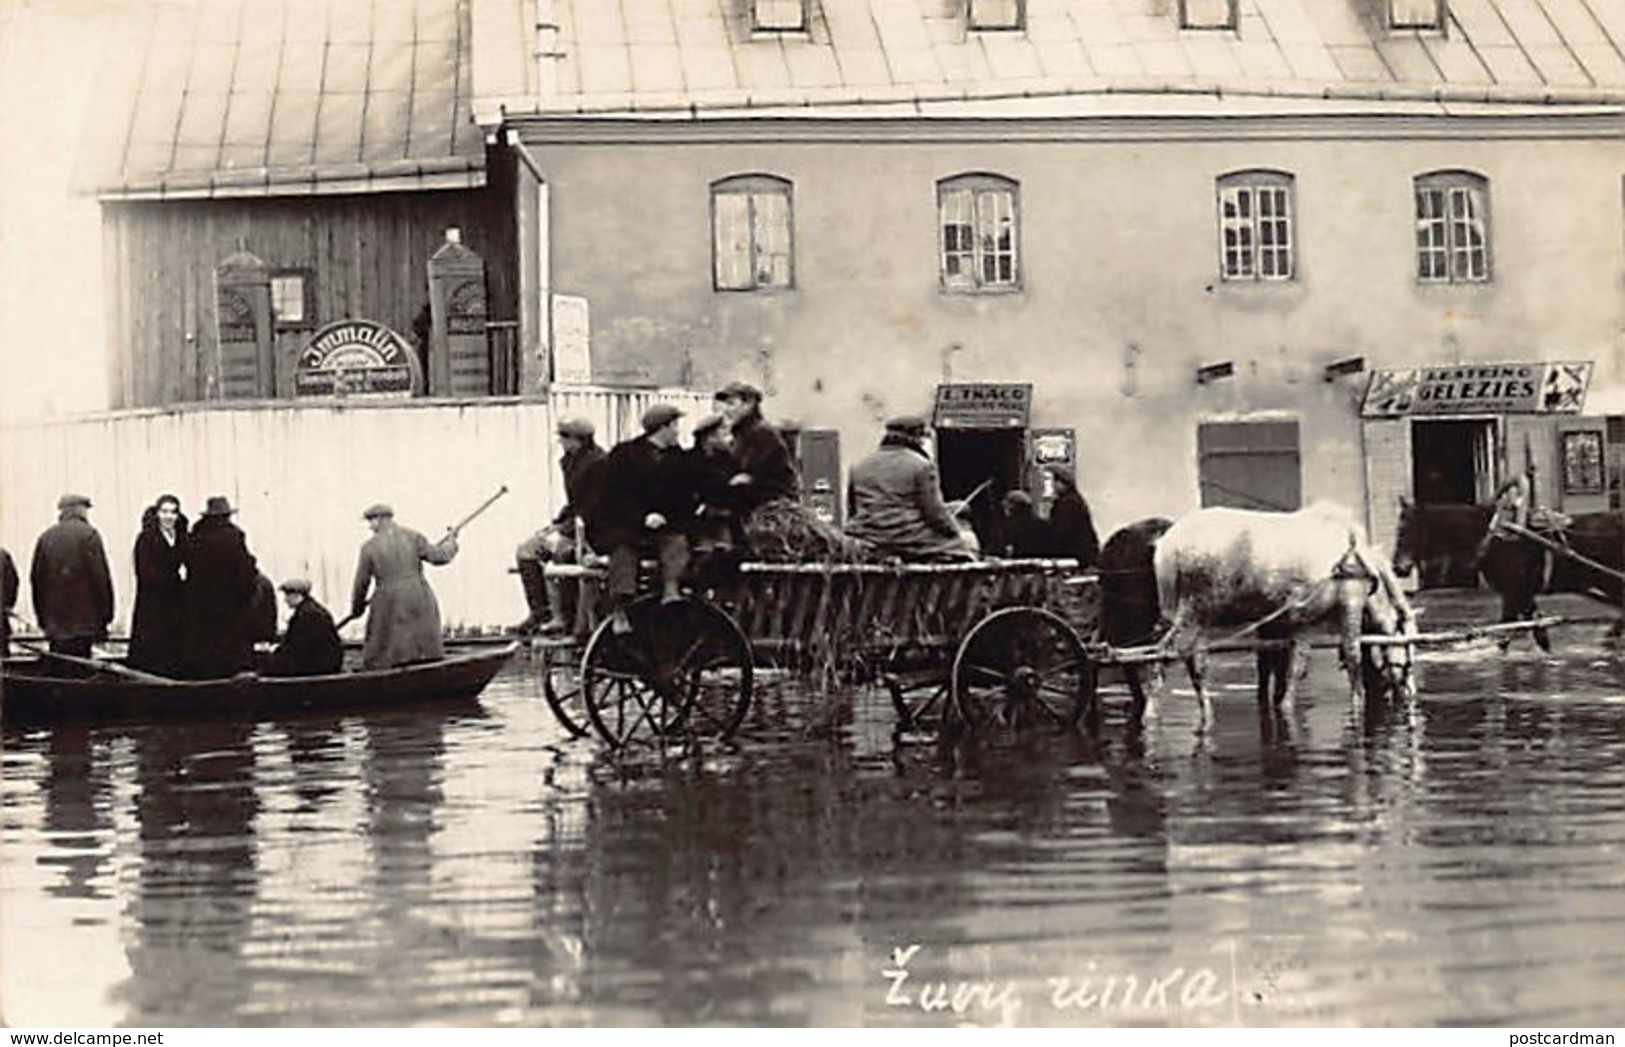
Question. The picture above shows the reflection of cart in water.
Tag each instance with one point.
(966, 644)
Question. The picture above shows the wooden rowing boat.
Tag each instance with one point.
(38, 690)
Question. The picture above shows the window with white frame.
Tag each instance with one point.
(291, 294)
(1452, 228)
(751, 233)
(1256, 226)
(1416, 14)
(782, 16)
(979, 233)
(996, 14)
(1207, 14)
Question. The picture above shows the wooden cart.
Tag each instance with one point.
(964, 644)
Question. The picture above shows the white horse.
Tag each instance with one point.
(1277, 577)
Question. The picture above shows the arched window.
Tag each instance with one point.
(1452, 228)
(979, 223)
(751, 233)
(1256, 226)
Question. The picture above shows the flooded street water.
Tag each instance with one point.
(1457, 860)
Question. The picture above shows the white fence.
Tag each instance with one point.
(300, 474)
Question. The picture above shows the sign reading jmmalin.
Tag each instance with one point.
(357, 358)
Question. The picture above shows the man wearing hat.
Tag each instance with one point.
(403, 621)
(311, 646)
(222, 583)
(72, 586)
(557, 542)
(765, 469)
(895, 499)
(644, 502)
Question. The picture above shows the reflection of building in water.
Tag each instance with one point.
(198, 877)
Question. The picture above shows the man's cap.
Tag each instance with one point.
(659, 416)
(708, 425)
(377, 509)
(739, 390)
(907, 424)
(580, 428)
(70, 501)
(217, 505)
(296, 585)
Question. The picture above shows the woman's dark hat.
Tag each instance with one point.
(217, 505)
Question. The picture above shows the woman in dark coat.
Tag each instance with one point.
(220, 582)
(1072, 528)
(158, 628)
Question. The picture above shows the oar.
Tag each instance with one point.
(347, 619)
(92, 663)
(958, 505)
(455, 530)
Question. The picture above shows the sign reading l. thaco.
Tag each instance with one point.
(1513, 388)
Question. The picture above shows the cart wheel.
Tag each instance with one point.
(1021, 665)
(917, 697)
(684, 669)
(561, 686)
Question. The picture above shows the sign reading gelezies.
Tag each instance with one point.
(357, 358)
(1515, 388)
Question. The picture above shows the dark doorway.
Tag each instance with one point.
(1446, 459)
(968, 457)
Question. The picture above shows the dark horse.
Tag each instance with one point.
(1517, 568)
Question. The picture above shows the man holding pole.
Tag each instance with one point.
(403, 623)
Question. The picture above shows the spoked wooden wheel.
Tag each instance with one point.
(917, 696)
(1021, 666)
(684, 670)
(561, 686)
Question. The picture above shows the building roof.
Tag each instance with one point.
(277, 97)
(648, 56)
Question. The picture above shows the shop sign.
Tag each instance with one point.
(983, 405)
(357, 358)
(1515, 388)
(572, 340)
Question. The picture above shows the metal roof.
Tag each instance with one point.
(634, 56)
(278, 97)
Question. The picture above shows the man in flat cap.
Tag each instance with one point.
(71, 583)
(895, 499)
(644, 503)
(311, 646)
(403, 619)
(223, 593)
(556, 542)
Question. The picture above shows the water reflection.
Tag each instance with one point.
(1456, 858)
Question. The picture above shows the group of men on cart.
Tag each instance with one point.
(735, 494)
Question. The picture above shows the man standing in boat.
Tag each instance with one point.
(311, 646)
(403, 623)
(73, 588)
(221, 576)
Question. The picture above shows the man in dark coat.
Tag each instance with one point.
(311, 646)
(73, 588)
(403, 621)
(221, 579)
(645, 502)
(557, 542)
(895, 500)
(8, 599)
(716, 535)
(765, 467)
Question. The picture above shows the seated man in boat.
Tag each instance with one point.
(644, 504)
(895, 500)
(311, 646)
